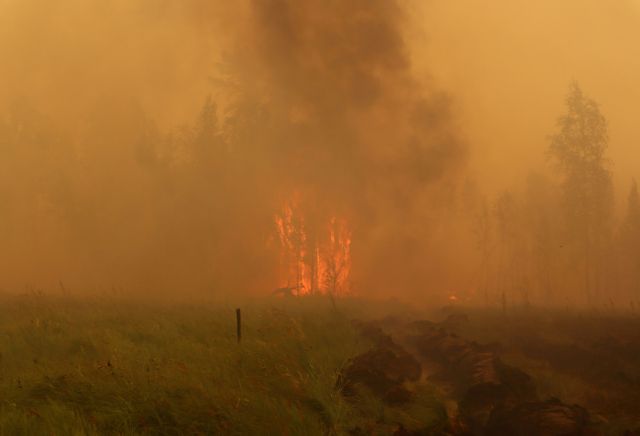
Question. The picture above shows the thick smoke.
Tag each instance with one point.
(313, 101)
(153, 146)
(353, 133)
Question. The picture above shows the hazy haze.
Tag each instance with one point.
(394, 116)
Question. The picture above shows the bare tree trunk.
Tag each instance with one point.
(298, 273)
(587, 266)
(313, 260)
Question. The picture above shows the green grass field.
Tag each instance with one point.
(100, 366)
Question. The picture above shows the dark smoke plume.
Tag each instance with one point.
(351, 128)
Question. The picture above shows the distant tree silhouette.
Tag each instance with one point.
(578, 148)
(629, 242)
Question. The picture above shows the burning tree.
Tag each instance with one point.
(337, 257)
(315, 257)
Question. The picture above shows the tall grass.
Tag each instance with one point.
(105, 367)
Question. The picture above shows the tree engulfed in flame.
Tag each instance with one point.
(313, 259)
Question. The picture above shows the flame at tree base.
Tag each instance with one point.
(313, 259)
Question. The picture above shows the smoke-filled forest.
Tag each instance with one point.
(359, 217)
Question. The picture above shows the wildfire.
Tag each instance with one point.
(314, 259)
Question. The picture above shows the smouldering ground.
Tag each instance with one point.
(590, 358)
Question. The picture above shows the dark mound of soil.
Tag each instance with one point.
(383, 369)
(550, 417)
(476, 369)
(482, 381)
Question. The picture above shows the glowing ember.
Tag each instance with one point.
(313, 260)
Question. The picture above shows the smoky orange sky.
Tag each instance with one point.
(507, 64)
(484, 82)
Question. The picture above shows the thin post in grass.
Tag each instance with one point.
(238, 324)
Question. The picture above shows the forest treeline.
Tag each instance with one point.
(558, 240)
(118, 201)
(119, 204)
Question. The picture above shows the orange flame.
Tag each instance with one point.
(317, 262)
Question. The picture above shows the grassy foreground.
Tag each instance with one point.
(71, 366)
(76, 367)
